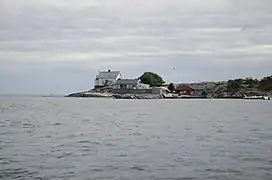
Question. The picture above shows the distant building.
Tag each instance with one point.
(107, 78)
(198, 89)
(184, 89)
(130, 84)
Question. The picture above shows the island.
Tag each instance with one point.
(150, 85)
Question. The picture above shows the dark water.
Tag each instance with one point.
(62, 138)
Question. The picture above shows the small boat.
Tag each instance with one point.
(257, 97)
(266, 98)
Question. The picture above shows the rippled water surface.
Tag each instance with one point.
(65, 138)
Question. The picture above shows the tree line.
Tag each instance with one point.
(264, 84)
(153, 79)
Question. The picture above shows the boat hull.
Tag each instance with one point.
(257, 97)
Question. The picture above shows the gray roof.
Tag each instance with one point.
(127, 81)
(195, 86)
(198, 86)
(108, 74)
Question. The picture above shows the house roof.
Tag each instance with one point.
(198, 86)
(184, 88)
(108, 74)
(194, 86)
(127, 81)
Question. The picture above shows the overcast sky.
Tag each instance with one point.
(57, 46)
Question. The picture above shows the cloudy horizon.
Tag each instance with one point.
(57, 46)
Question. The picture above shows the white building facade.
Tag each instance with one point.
(130, 84)
(107, 78)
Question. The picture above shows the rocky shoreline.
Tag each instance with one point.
(90, 95)
(132, 96)
(115, 96)
(147, 96)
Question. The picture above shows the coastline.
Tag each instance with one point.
(139, 88)
(112, 84)
(149, 96)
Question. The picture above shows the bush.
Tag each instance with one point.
(265, 84)
(152, 79)
(234, 85)
(171, 87)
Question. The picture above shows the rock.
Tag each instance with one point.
(91, 95)
(137, 96)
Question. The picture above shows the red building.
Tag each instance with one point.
(184, 90)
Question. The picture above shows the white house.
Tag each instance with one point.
(130, 84)
(107, 78)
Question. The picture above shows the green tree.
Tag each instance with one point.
(251, 82)
(265, 84)
(171, 87)
(234, 85)
(240, 80)
(152, 79)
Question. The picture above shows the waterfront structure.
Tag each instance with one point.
(107, 78)
(130, 84)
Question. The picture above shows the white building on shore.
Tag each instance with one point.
(130, 84)
(114, 81)
(107, 78)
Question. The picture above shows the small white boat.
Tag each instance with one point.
(266, 98)
(257, 97)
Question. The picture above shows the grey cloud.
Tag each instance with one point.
(204, 40)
